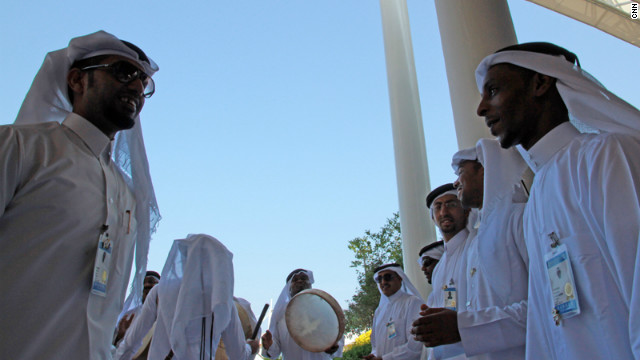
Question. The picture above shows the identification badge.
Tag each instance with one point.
(450, 297)
(391, 329)
(101, 268)
(563, 287)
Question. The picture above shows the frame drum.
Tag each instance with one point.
(315, 320)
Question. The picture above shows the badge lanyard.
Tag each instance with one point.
(391, 329)
(105, 248)
(561, 282)
(450, 297)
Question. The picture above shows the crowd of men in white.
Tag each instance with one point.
(538, 271)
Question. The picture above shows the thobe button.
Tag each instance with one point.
(111, 200)
(468, 303)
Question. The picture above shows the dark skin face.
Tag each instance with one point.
(519, 106)
(470, 184)
(149, 283)
(107, 103)
(299, 282)
(427, 268)
(450, 220)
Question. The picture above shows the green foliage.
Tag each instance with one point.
(371, 251)
(357, 352)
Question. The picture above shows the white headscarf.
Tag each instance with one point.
(197, 281)
(48, 100)
(435, 252)
(503, 169)
(285, 297)
(586, 99)
(450, 192)
(407, 287)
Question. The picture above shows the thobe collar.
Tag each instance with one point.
(540, 153)
(99, 143)
(395, 296)
(456, 241)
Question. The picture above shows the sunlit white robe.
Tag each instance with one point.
(587, 191)
(403, 309)
(58, 187)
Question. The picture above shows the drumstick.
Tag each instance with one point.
(264, 312)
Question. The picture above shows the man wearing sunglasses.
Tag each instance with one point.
(399, 306)
(74, 187)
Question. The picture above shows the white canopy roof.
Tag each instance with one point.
(610, 16)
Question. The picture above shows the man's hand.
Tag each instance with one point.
(123, 325)
(332, 349)
(436, 326)
(267, 340)
(255, 345)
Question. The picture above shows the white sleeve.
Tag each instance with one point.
(141, 325)
(500, 327)
(614, 199)
(493, 329)
(412, 349)
(233, 336)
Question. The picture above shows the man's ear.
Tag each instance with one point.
(542, 84)
(75, 80)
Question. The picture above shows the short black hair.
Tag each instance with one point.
(544, 48)
(437, 192)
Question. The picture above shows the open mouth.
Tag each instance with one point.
(446, 221)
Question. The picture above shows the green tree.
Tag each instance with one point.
(371, 251)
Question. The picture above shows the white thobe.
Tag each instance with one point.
(237, 348)
(447, 269)
(284, 343)
(58, 187)
(139, 328)
(586, 190)
(233, 337)
(492, 321)
(402, 309)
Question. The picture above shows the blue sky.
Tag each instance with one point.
(270, 126)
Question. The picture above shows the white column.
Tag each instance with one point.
(408, 138)
(470, 30)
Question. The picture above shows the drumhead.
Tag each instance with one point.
(315, 320)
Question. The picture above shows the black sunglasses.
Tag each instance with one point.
(125, 72)
(386, 277)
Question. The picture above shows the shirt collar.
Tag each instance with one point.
(455, 242)
(95, 139)
(540, 153)
(395, 296)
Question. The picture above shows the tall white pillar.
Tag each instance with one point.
(470, 30)
(408, 138)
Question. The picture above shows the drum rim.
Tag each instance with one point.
(334, 305)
